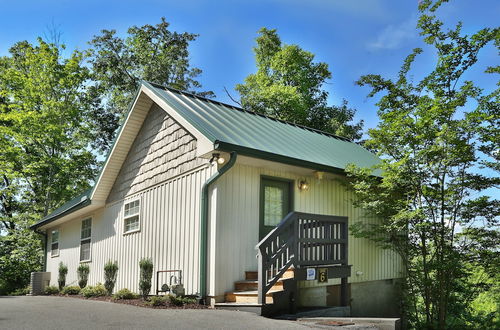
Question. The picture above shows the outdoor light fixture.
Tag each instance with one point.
(303, 185)
(217, 157)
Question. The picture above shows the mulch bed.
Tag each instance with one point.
(136, 302)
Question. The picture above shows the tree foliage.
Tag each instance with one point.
(44, 130)
(149, 52)
(288, 85)
(20, 254)
(434, 137)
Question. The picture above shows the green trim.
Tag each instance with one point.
(263, 179)
(223, 146)
(204, 221)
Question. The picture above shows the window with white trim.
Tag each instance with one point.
(54, 243)
(85, 239)
(131, 216)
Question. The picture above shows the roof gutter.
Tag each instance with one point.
(204, 221)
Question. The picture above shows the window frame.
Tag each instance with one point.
(89, 238)
(138, 215)
(52, 231)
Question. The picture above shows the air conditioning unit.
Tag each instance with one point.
(39, 280)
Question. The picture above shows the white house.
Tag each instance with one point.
(237, 201)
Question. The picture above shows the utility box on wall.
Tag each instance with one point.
(39, 280)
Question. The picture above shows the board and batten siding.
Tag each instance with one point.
(238, 226)
(162, 171)
(169, 235)
(161, 150)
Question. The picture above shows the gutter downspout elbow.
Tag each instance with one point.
(204, 222)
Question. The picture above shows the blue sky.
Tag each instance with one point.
(354, 37)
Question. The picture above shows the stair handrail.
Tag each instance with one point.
(279, 249)
(264, 260)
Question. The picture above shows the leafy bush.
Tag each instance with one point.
(51, 289)
(94, 291)
(146, 266)
(83, 275)
(180, 301)
(110, 272)
(125, 294)
(71, 290)
(158, 300)
(63, 271)
(20, 254)
(21, 292)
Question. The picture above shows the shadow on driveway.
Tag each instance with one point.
(41, 312)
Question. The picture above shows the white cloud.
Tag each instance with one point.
(394, 36)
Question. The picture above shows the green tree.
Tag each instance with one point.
(150, 52)
(46, 128)
(20, 254)
(288, 85)
(433, 140)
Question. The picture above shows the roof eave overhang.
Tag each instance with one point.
(57, 216)
(241, 150)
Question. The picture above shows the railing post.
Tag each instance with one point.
(260, 278)
(343, 281)
(343, 292)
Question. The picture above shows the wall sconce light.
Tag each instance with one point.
(303, 185)
(218, 158)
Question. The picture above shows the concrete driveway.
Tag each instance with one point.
(42, 312)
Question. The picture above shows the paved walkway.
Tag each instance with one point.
(42, 312)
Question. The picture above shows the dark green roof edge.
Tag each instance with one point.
(76, 203)
(245, 151)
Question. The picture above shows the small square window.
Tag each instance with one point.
(131, 212)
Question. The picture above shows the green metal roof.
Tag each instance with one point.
(232, 128)
(76, 203)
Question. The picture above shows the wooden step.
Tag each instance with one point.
(248, 297)
(253, 275)
(250, 285)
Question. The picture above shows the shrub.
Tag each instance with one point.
(110, 272)
(125, 294)
(83, 275)
(158, 301)
(94, 291)
(71, 290)
(21, 291)
(63, 271)
(51, 289)
(146, 266)
(180, 301)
